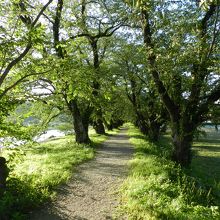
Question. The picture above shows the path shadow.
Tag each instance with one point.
(48, 214)
(114, 148)
(138, 136)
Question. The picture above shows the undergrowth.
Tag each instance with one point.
(37, 169)
(158, 189)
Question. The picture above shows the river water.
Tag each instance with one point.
(13, 142)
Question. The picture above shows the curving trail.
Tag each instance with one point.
(91, 194)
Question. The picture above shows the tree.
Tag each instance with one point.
(95, 29)
(84, 41)
(19, 32)
(149, 112)
(15, 44)
(184, 51)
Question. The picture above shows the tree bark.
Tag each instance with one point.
(98, 124)
(114, 124)
(182, 148)
(183, 131)
(80, 124)
(99, 127)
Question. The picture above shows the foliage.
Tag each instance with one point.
(133, 74)
(157, 189)
(184, 52)
(86, 59)
(20, 31)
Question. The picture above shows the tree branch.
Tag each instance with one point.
(19, 81)
(107, 33)
(49, 82)
(206, 18)
(169, 103)
(56, 28)
(14, 62)
(26, 50)
(81, 35)
(213, 96)
(200, 69)
(215, 33)
(208, 100)
(40, 13)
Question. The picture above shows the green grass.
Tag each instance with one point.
(37, 169)
(98, 139)
(205, 165)
(157, 189)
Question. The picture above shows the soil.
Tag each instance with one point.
(92, 193)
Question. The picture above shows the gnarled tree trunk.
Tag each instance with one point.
(80, 125)
(182, 149)
(182, 138)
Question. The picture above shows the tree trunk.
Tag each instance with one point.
(98, 124)
(141, 123)
(118, 123)
(99, 127)
(154, 131)
(182, 150)
(81, 132)
(182, 137)
(80, 125)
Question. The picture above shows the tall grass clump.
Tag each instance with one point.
(158, 189)
(37, 169)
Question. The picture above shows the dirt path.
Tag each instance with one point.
(91, 193)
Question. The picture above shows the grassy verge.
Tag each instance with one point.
(157, 189)
(206, 161)
(36, 171)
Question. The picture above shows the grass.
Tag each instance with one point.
(157, 189)
(37, 169)
(98, 139)
(206, 161)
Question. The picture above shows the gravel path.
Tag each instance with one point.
(91, 194)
